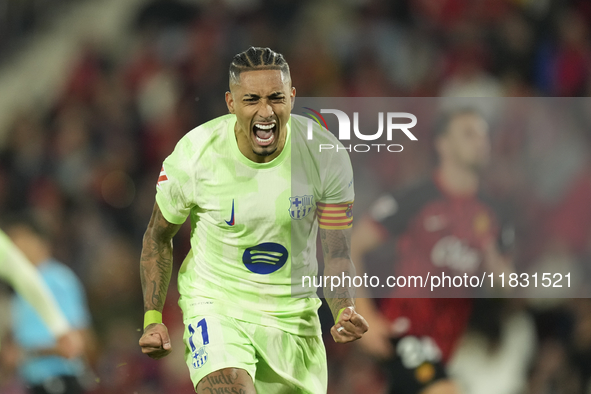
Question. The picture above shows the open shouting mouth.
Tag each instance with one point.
(264, 133)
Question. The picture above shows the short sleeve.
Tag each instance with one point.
(174, 190)
(335, 209)
(338, 179)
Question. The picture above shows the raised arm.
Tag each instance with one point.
(155, 272)
(26, 281)
(336, 246)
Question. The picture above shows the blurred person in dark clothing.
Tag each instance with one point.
(43, 367)
(443, 225)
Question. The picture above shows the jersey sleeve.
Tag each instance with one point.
(174, 190)
(26, 281)
(335, 209)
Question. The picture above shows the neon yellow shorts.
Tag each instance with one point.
(277, 361)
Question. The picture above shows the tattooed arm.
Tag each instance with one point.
(336, 246)
(155, 272)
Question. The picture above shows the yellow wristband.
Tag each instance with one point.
(151, 317)
(340, 313)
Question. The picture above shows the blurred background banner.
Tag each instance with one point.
(94, 94)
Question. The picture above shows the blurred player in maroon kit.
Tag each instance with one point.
(443, 225)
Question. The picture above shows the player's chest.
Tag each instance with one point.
(255, 199)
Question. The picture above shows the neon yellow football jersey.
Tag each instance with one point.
(253, 226)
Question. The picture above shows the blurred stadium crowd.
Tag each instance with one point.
(20, 18)
(88, 166)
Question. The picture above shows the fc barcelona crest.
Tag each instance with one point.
(199, 357)
(300, 206)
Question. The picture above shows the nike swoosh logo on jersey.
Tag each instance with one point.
(231, 221)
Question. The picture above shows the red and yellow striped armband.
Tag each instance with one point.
(335, 216)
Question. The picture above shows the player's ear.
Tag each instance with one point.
(230, 102)
(293, 96)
